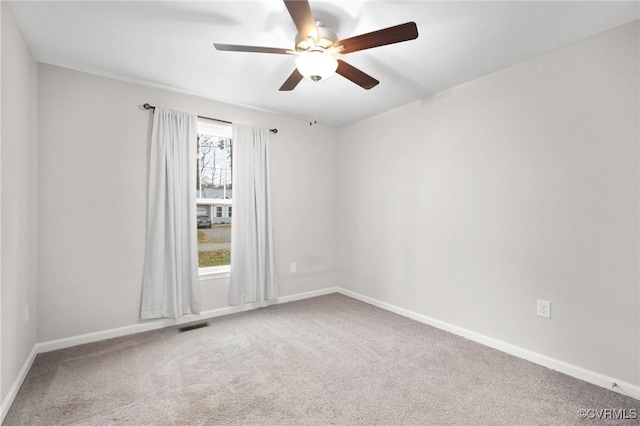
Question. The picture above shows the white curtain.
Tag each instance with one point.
(253, 273)
(170, 283)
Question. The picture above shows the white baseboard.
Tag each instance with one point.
(592, 377)
(13, 391)
(163, 323)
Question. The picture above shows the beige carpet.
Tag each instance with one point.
(326, 360)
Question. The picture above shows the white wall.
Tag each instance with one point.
(92, 158)
(18, 201)
(469, 205)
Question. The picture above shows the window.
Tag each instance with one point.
(229, 212)
(214, 195)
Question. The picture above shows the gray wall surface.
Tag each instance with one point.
(18, 204)
(469, 205)
(94, 134)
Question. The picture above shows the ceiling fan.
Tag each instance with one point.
(316, 47)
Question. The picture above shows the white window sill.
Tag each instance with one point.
(214, 272)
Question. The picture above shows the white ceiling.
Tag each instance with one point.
(169, 44)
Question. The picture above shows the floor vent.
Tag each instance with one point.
(193, 327)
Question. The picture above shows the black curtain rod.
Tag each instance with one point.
(147, 106)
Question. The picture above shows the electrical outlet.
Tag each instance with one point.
(26, 313)
(544, 309)
(293, 268)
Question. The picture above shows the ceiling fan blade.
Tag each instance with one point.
(256, 49)
(302, 16)
(354, 74)
(292, 81)
(397, 34)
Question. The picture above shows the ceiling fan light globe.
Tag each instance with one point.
(316, 65)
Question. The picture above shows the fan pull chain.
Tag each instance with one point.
(313, 110)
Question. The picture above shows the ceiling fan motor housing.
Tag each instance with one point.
(326, 39)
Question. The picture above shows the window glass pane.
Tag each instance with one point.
(214, 194)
